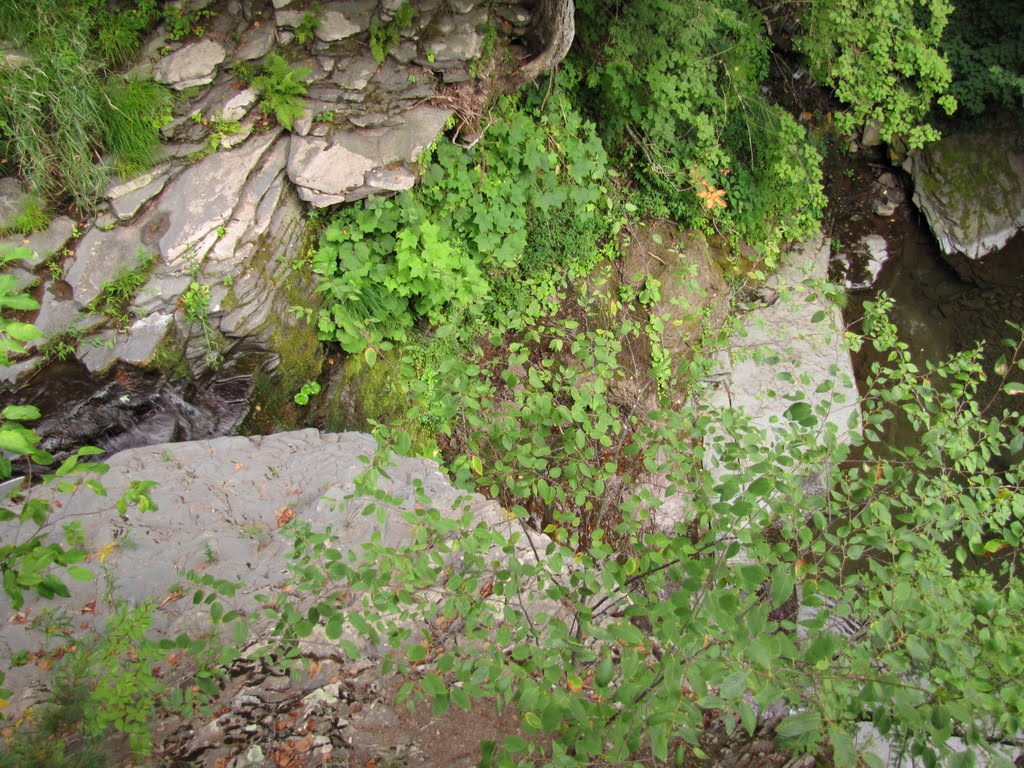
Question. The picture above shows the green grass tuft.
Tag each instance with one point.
(62, 110)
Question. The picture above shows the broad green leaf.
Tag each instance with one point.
(433, 685)
(16, 441)
(844, 753)
(794, 727)
(782, 584)
(20, 413)
(79, 573)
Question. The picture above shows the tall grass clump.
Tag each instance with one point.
(64, 109)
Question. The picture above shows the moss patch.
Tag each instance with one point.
(169, 356)
(360, 395)
(32, 217)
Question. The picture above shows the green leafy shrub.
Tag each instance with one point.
(281, 89)
(883, 60)
(619, 642)
(675, 88)
(62, 109)
(388, 261)
(984, 42)
(436, 251)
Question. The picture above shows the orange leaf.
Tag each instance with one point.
(284, 516)
(713, 198)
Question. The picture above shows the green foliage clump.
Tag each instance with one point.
(436, 251)
(117, 294)
(984, 42)
(182, 22)
(384, 37)
(794, 565)
(281, 88)
(63, 109)
(676, 90)
(884, 61)
(307, 28)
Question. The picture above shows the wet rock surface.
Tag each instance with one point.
(216, 225)
(970, 188)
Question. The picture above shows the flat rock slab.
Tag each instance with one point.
(797, 333)
(42, 244)
(221, 505)
(192, 65)
(333, 169)
(135, 346)
(341, 20)
(257, 43)
(970, 187)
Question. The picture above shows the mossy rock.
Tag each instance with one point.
(694, 298)
(360, 394)
(970, 187)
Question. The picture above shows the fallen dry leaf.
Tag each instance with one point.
(174, 596)
(89, 607)
(284, 516)
(285, 759)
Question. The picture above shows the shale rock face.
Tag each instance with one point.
(216, 229)
(970, 187)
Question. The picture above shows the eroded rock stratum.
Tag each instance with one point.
(217, 226)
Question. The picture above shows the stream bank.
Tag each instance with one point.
(883, 244)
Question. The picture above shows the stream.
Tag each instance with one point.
(936, 313)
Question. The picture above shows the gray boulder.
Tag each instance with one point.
(970, 187)
(334, 169)
(12, 200)
(194, 64)
(221, 505)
